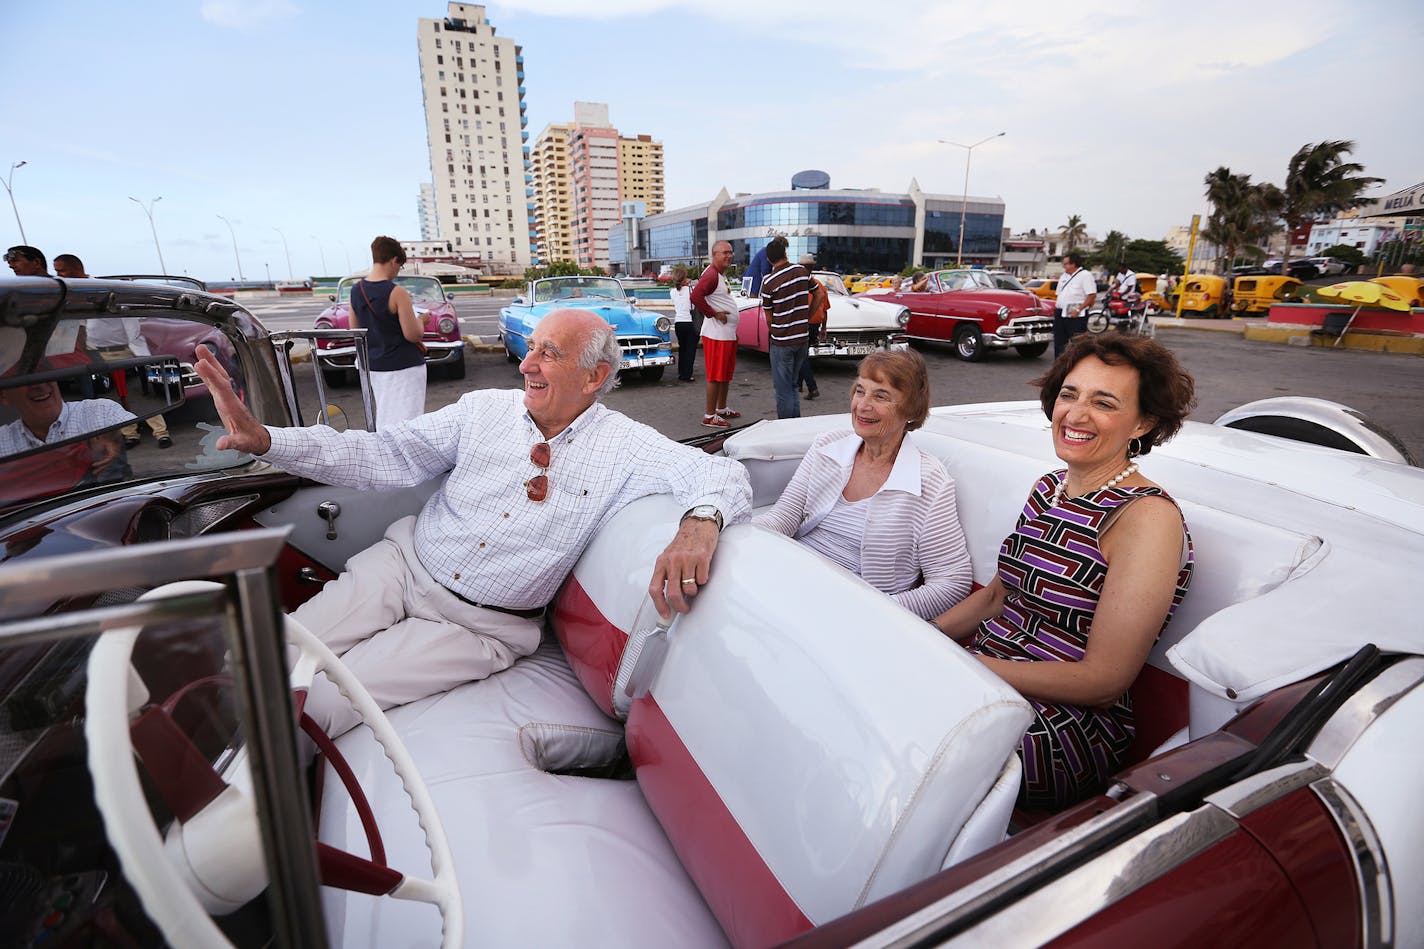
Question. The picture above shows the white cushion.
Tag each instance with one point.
(845, 742)
(544, 859)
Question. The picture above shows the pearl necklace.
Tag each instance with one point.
(1112, 482)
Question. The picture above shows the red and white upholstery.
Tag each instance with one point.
(543, 859)
(808, 746)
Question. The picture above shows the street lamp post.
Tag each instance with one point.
(321, 250)
(11, 193)
(288, 252)
(964, 201)
(234, 246)
(148, 209)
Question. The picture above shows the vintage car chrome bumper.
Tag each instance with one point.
(437, 352)
(857, 343)
(640, 352)
(1023, 332)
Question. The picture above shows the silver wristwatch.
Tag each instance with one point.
(704, 512)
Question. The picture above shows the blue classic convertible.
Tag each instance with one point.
(642, 334)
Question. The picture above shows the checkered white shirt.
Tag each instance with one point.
(75, 418)
(479, 534)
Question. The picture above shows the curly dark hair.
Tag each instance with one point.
(1166, 392)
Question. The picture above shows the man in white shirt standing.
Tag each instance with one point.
(457, 592)
(1076, 292)
(115, 338)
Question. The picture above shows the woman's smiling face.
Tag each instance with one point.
(1096, 414)
(876, 409)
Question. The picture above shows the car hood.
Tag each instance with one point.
(621, 316)
(848, 314)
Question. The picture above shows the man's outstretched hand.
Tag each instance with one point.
(244, 432)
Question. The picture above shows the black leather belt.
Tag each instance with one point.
(110, 349)
(533, 613)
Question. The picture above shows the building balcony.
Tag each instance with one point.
(524, 135)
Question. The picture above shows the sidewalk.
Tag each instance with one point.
(1259, 329)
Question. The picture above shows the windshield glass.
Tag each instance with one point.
(955, 280)
(573, 288)
(425, 290)
(110, 400)
(1008, 282)
(833, 283)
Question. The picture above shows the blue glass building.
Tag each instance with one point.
(845, 230)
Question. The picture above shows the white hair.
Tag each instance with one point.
(602, 346)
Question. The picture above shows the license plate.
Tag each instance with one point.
(860, 349)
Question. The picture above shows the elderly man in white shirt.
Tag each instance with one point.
(456, 593)
(1076, 292)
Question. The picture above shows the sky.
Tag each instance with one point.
(301, 122)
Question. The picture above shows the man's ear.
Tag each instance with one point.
(596, 377)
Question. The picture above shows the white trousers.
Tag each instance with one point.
(399, 395)
(402, 633)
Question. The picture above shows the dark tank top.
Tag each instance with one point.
(388, 348)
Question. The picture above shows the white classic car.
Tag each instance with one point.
(823, 770)
(855, 326)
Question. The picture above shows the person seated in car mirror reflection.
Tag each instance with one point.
(44, 418)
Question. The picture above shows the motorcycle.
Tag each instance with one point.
(1125, 313)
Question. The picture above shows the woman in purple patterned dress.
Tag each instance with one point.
(1093, 571)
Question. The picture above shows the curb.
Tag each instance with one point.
(1299, 335)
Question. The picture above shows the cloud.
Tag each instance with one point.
(246, 15)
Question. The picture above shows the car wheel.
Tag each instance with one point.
(1032, 350)
(651, 373)
(456, 369)
(968, 343)
(1211, 312)
(335, 378)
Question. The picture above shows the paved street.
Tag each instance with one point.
(1229, 371)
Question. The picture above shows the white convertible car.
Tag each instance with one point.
(855, 326)
(818, 770)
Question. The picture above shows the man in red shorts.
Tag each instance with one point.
(719, 335)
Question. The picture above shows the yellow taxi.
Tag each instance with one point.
(1044, 287)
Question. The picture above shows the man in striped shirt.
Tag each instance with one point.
(786, 300)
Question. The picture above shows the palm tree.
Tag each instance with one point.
(1242, 213)
(1073, 232)
(1113, 248)
(1319, 182)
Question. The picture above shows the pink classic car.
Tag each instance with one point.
(444, 347)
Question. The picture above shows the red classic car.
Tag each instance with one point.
(964, 307)
(444, 347)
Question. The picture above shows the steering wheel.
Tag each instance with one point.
(211, 860)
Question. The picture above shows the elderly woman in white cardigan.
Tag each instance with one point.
(875, 504)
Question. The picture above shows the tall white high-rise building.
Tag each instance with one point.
(429, 223)
(472, 82)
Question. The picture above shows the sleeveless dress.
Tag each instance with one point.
(397, 365)
(1052, 569)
